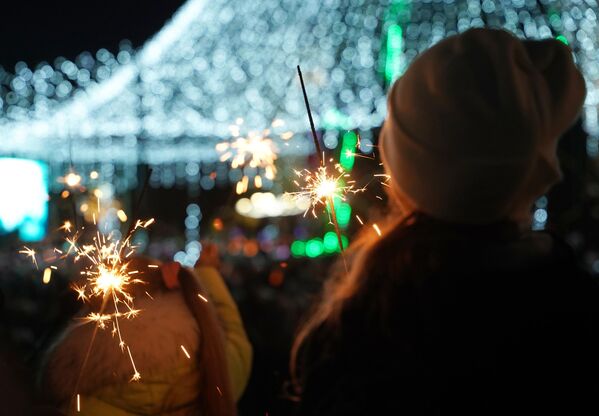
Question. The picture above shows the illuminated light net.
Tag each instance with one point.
(174, 99)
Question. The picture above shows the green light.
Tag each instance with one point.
(336, 198)
(350, 139)
(348, 146)
(391, 61)
(347, 159)
(393, 64)
(330, 242)
(314, 247)
(562, 39)
(298, 248)
(344, 241)
(343, 211)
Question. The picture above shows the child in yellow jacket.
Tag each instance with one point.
(188, 344)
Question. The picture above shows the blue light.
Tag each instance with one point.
(540, 215)
(24, 193)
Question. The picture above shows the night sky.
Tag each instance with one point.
(35, 31)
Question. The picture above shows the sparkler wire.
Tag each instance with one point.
(322, 163)
(313, 129)
(85, 360)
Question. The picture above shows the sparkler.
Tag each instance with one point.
(106, 276)
(320, 186)
(257, 150)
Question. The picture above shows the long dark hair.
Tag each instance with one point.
(364, 255)
(410, 246)
(215, 395)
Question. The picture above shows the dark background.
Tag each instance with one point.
(35, 31)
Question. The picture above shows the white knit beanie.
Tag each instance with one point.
(472, 126)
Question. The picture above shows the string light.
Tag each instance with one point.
(193, 247)
(228, 61)
(171, 100)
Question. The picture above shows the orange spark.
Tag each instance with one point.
(377, 229)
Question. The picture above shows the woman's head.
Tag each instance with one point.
(470, 138)
(473, 124)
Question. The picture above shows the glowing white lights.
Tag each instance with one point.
(174, 99)
(267, 204)
(193, 247)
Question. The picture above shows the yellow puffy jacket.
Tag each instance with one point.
(169, 379)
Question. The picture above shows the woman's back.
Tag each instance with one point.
(456, 311)
(461, 319)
